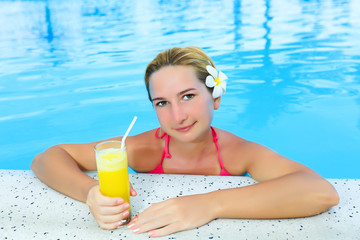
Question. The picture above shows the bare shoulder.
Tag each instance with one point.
(231, 142)
(240, 155)
(238, 146)
(233, 151)
(228, 137)
(144, 151)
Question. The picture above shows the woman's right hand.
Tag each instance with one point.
(108, 211)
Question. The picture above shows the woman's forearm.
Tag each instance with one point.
(298, 194)
(57, 169)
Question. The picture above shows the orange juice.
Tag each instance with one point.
(113, 173)
(109, 187)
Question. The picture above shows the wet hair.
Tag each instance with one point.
(187, 56)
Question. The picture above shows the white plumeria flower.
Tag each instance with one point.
(217, 80)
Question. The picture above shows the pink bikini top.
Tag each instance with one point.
(159, 169)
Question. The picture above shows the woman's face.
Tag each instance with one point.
(182, 103)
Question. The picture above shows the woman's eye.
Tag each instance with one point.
(161, 103)
(188, 96)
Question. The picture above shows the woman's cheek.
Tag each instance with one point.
(161, 115)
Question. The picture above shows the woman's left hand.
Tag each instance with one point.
(174, 215)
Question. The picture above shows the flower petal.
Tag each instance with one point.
(223, 86)
(210, 82)
(222, 76)
(212, 71)
(217, 92)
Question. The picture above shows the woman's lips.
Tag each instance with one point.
(184, 129)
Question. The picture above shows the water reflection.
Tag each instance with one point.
(299, 52)
(50, 34)
(282, 57)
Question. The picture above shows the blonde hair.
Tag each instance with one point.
(187, 56)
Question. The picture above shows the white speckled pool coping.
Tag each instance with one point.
(31, 210)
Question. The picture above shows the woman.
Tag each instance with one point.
(185, 89)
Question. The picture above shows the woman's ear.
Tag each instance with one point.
(217, 103)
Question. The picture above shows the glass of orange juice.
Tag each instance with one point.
(112, 166)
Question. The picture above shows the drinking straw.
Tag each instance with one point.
(127, 132)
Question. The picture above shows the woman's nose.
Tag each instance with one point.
(178, 113)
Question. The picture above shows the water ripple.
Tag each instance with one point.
(77, 67)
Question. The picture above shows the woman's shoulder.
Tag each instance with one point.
(236, 144)
(228, 138)
(144, 151)
(235, 151)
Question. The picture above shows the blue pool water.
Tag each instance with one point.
(72, 71)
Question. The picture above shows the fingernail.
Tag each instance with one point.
(151, 234)
(130, 225)
(125, 213)
(126, 205)
(136, 230)
(133, 220)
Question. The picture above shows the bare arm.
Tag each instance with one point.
(298, 194)
(286, 189)
(61, 167)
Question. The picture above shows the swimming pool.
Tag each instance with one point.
(72, 71)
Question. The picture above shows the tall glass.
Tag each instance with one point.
(112, 168)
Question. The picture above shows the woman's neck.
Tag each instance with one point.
(196, 157)
(191, 150)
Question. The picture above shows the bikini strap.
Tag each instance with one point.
(215, 137)
(166, 148)
(156, 134)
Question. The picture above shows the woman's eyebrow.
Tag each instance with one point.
(186, 90)
(180, 93)
(157, 99)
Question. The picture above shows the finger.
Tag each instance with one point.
(150, 226)
(169, 229)
(103, 200)
(108, 226)
(150, 215)
(132, 191)
(112, 210)
(155, 210)
(113, 224)
(150, 221)
(109, 201)
(113, 219)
